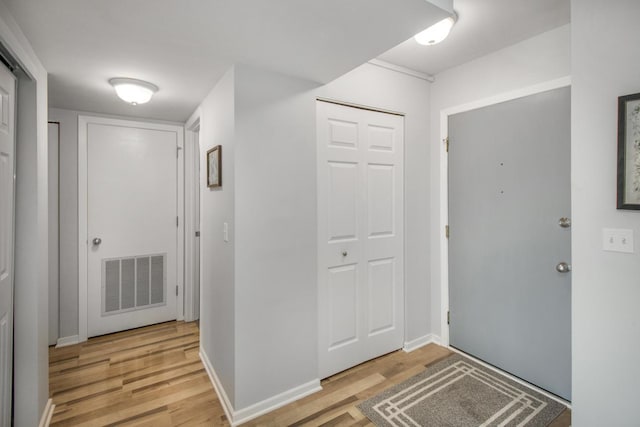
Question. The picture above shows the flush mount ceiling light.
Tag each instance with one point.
(437, 32)
(133, 91)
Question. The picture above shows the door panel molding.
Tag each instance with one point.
(83, 243)
(444, 181)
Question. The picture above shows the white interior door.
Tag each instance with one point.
(360, 226)
(7, 162)
(131, 225)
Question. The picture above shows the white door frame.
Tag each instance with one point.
(191, 188)
(54, 235)
(444, 181)
(83, 122)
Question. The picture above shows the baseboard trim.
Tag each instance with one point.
(45, 420)
(217, 385)
(275, 402)
(412, 345)
(66, 341)
(243, 415)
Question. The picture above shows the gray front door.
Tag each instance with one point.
(509, 187)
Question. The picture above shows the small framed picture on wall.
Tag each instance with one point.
(214, 167)
(629, 152)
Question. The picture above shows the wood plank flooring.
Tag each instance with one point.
(144, 377)
(153, 377)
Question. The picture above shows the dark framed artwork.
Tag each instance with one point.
(629, 152)
(214, 167)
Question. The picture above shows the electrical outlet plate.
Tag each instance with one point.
(617, 240)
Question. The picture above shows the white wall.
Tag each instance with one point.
(606, 289)
(276, 294)
(217, 266)
(537, 60)
(31, 380)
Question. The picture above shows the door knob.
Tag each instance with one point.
(97, 241)
(344, 253)
(563, 267)
(564, 222)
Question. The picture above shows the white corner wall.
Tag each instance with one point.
(540, 59)
(31, 366)
(606, 290)
(275, 230)
(217, 265)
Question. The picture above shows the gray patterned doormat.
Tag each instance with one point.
(457, 392)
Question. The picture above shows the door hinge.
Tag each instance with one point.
(178, 148)
(176, 290)
(448, 317)
(446, 144)
(177, 221)
(446, 231)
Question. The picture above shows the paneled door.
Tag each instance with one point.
(132, 224)
(360, 235)
(7, 164)
(510, 237)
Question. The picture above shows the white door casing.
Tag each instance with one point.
(195, 290)
(192, 222)
(360, 235)
(443, 190)
(7, 194)
(53, 132)
(129, 200)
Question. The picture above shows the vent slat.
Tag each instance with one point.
(112, 286)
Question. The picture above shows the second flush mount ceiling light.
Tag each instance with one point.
(437, 32)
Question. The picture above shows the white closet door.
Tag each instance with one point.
(7, 162)
(361, 236)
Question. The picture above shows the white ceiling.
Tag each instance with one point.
(483, 26)
(184, 46)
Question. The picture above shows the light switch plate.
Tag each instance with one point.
(617, 240)
(225, 232)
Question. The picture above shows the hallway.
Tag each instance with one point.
(153, 376)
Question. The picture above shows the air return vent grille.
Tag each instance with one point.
(133, 283)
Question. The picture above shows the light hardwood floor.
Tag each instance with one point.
(153, 377)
